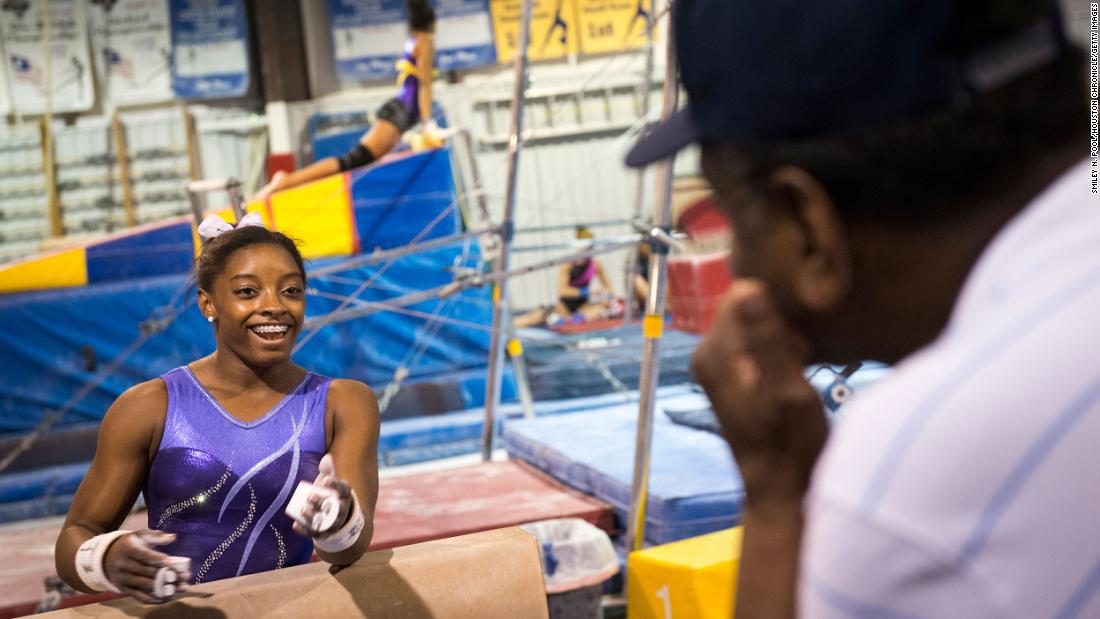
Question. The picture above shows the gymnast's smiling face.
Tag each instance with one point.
(258, 303)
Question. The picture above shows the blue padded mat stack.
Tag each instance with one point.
(827, 380)
(694, 485)
(572, 366)
(418, 439)
(41, 493)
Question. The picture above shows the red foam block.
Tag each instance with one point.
(703, 219)
(279, 162)
(696, 284)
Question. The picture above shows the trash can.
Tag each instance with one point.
(576, 559)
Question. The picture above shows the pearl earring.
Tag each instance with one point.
(209, 319)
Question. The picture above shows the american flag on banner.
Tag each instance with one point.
(24, 70)
(116, 63)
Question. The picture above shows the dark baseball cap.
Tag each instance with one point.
(774, 70)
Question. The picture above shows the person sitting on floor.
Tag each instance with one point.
(576, 303)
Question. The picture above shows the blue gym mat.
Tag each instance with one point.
(694, 486)
(586, 364)
(419, 439)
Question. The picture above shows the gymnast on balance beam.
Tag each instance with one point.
(412, 105)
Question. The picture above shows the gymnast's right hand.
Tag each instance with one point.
(326, 477)
(131, 563)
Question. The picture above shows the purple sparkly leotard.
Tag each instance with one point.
(221, 485)
(410, 87)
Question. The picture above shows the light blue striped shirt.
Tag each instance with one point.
(967, 485)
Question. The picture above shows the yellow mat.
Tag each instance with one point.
(692, 578)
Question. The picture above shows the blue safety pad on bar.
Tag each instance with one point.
(410, 198)
(160, 251)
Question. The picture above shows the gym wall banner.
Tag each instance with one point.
(463, 34)
(209, 49)
(367, 37)
(23, 41)
(553, 29)
(612, 25)
(132, 47)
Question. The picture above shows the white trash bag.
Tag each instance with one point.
(575, 554)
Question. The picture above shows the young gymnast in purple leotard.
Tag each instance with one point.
(218, 445)
(412, 105)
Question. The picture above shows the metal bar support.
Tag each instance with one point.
(653, 323)
(476, 281)
(380, 256)
(232, 186)
(639, 189)
(501, 315)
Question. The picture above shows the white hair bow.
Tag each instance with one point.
(214, 225)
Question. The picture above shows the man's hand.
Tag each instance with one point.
(750, 366)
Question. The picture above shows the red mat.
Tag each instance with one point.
(590, 325)
(28, 560)
(441, 504)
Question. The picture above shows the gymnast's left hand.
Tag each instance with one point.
(327, 478)
(430, 134)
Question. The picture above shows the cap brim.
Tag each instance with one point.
(664, 140)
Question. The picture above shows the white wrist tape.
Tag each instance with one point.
(89, 561)
(348, 534)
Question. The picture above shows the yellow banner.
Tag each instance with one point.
(553, 29)
(612, 25)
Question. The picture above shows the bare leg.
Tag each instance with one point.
(641, 290)
(593, 311)
(381, 139)
(532, 318)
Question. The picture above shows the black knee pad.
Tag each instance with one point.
(356, 157)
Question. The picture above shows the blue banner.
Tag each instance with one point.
(464, 34)
(209, 49)
(369, 35)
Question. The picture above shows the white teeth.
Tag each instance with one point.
(270, 328)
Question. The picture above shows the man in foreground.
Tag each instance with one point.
(907, 181)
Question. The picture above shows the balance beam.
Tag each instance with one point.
(491, 575)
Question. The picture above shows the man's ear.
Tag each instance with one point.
(206, 304)
(823, 271)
